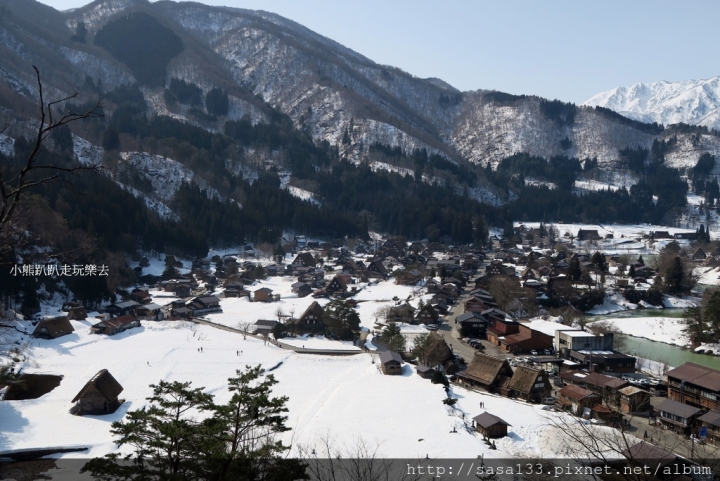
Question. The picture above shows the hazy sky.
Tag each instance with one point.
(569, 49)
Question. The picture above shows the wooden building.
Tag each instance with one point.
(678, 416)
(98, 396)
(77, 313)
(53, 328)
(390, 363)
(695, 385)
(529, 384)
(312, 318)
(490, 426)
(115, 325)
(488, 372)
(425, 371)
(263, 294)
(577, 399)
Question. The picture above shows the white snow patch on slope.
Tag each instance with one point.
(7, 146)
(162, 209)
(87, 153)
(302, 194)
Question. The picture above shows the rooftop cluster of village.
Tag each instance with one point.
(504, 318)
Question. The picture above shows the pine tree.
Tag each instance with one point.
(574, 270)
(674, 275)
(394, 339)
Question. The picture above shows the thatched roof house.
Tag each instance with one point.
(488, 372)
(98, 396)
(529, 384)
(53, 328)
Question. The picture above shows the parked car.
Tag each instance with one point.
(547, 352)
(548, 400)
(432, 327)
(534, 352)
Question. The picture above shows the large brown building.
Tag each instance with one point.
(695, 385)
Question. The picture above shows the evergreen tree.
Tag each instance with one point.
(631, 272)
(170, 272)
(341, 319)
(574, 270)
(674, 275)
(236, 440)
(394, 339)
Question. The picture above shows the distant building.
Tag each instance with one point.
(115, 325)
(490, 426)
(390, 363)
(53, 328)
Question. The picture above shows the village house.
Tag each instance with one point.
(115, 325)
(472, 324)
(53, 328)
(424, 371)
(488, 372)
(612, 362)
(312, 318)
(390, 363)
(337, 286)
(577, 399)
(141, 296)
(677, 416)
(264, 327)
(304, 259)
(498, 330)
(149, 312)
(695, 385)
(302, 289)
(263, 294)
(699, 255)
(525, 340)
(633, 400)
(121, 308)
(490, 426)
(426, 315)
(376, 267)
(529, 384)
(99, 396)
(77, 313)
(588, 234)
(204, 305)
(711, 422)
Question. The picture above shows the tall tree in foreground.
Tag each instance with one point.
(183, 434)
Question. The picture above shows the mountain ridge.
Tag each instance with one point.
(694, 102)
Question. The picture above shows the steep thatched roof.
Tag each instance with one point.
(438, 351)
(523, 379)
(104, 382)
(55, 327)
(485, 368)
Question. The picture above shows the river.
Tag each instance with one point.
(659, 351)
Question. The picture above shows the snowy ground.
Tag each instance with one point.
(345, 398)
(669, 330)
(319, 342)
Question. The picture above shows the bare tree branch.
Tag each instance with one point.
(11, 190)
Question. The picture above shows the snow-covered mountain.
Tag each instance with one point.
(337, 95)
(694, 102)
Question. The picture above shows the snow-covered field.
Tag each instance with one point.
(346, 398)
(669, 330)
(319, 343)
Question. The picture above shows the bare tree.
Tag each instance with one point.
(13, 188)
(244, 327)
(329, 460)
(592, 445)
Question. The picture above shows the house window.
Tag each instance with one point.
(539, 385)
(708, 395)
